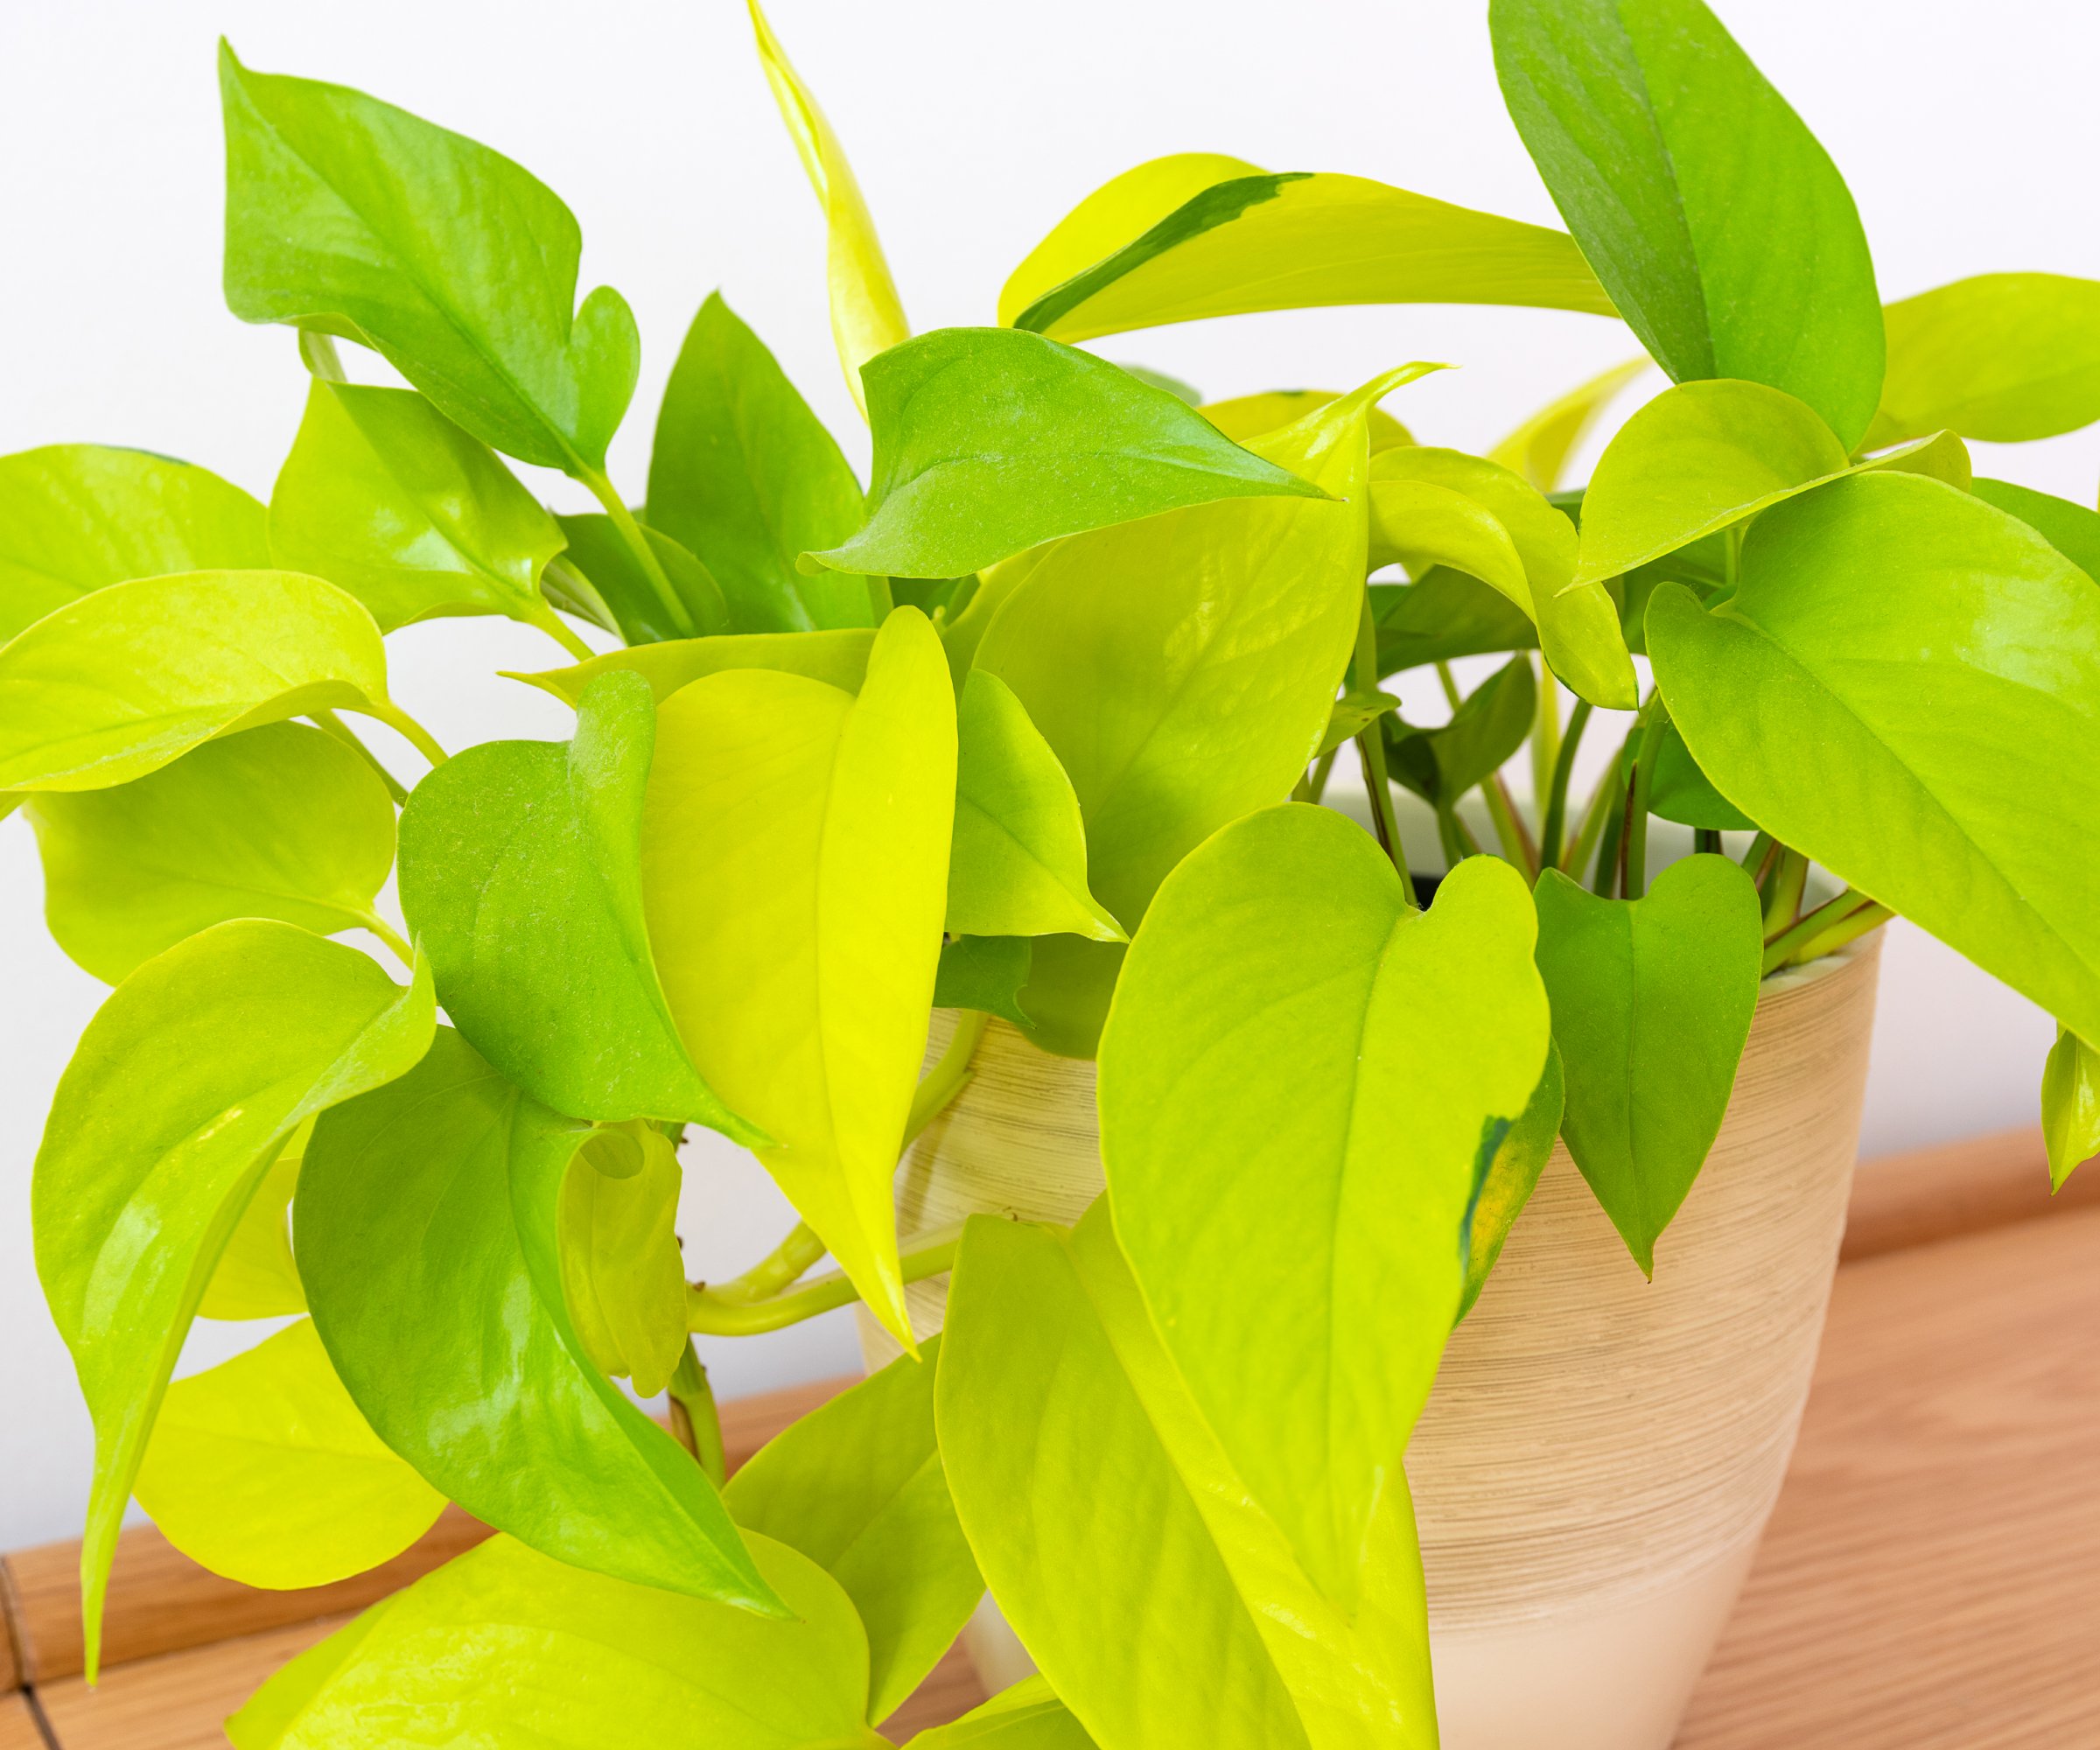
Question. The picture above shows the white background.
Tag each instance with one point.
(1969, 139)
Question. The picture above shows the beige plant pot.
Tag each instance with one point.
(1600, 1453)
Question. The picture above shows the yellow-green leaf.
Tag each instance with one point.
(839, 658)
(1511, 1177)
(1027, 1717)
(1250, 415)
(256, 1277)
(1540, 447)
(2071, 1104)
(621, 1268)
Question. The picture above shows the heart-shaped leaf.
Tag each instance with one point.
(633, 604)
(622, 1272)
(427, 1226)
(1300, 1082)
(185, 1086)
(1652, 999)
(2070, 1105)
(1679, 791)
(1440, 765)
(838, 658)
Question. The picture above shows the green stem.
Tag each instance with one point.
(1845, 929)
(1783, 948)
(931, 1254)
(1371, 750)
(1636, 808)
(1604, 805)
(1453, 697)
(1606, 874)
(1313, 785)
(318, 353)
(342, 731)
(695, 1419)
(550, 622)
(1509, 827)
(637, 544)
(1782, 904)
(1555, 824)
(949, 1076)
(785, 1264)
(398, 720)
(1706, 840)
(397, 944)
(1545, 735)
(1753, 858)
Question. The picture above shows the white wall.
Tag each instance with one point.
(973, 127)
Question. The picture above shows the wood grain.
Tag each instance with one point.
(1936, 1193)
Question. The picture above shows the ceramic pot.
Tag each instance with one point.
(1600, 1453)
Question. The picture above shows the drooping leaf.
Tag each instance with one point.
(1511, 1177)
(122, 681)
(838, 658)
(1538, 450)
(2003, 357)
(747, 478)
(1934, 667)
(1440, 765)
(1252, 416)
(385, 496)
(1019, 865)
(185, 1085)
(1353, 714)
(427, 1226)
(77, 517)
(2071, 529)
(599, 551)
(622, 1272)
(988, 441)
(1445, 614)
(1719, 224)
(856, 1486)
(866, 315)
(503, 1645)
(348, 216)
(1027, 1717)
(521, 874)
(1652, 1000)
(986, 973)
(1679, 791)
(1070, 1443)
(255, 1277)
(1296, 241)
(795, 871)
(2070, 1105)
(282, 822)
(1297, 1083)
(262, 1470)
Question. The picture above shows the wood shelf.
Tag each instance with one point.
(1926, 1582)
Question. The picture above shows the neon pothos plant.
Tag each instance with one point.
(1034, 727)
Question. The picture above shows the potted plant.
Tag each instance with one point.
(891, 814)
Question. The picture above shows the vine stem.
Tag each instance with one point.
(342, 731)
(695, 1419)
(1636, 806)
(1809, 931)
(603, 490)
(1371, 750)
(417, 737)
(546, 620)
(1554, 827)
(397, 945)
(928, 1253)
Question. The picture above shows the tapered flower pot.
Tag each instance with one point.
(1600, 1453)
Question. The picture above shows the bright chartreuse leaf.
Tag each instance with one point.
(1719, 224)
(77, 517)
(1353, 714)
(1538, 450)
(1251, 416)
(428, 1231)
(1019, 865)
(262, 1470)
(856, 1486)
(256, 1277)
(385, 496)
(747, 476)
(122, 681)
(520, 875)
(1071, 1445)
(989, 442)
(795, 850)
(2071, 529)
(283, 822)
(1445, 614)
(1905, 686)
(839, 659)
(502, 1646)
(351, 217)
(1679, 791)
(1300, 1082)
(1652, 999)
(1414, 520)
(2070, 1105)
(600, 553)
(1298, 241)
(1704, 455)
(986, 973)
(185, 1086)
(1440, 765)
(622, 1272)
(1511, 1177)
(2002, 357)
(1027, 1717)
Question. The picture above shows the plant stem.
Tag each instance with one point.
(1603, 806)
(550, 623)
(1782, 904)
(637, 544)
(930, 1254)
(1753, 858)
(1785, 946)
(949, 1076)
(1554, 825)
(1845, 929)
(1313, 785)
(694, 1418)
(1509, 826)
(1706, 840)
(1370, 749)
(342, 731)
(318, 353)
(785, 1264)
(1637, 804)
(418, 737)
(1613, 836)
(395, 943)
(1545, 735)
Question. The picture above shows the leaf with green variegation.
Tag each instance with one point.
(1706, 455)
(1292, 241)
(1070, 1443)
(2070, 1105)
(77, 517)
(1019, 865)
(986, 973)
(1027, 1717)
(1511, 1177)
(1251, 416)
(838, 658)
(2071, 529)
(794, 853)
(622, 1272)
(1297, 1083)
(1538, 450)
(255, 1277)
(1445, 614)
(503, 1645)
(262, 1470)
(122, 681)
(1440, 765)
(384, 496)
(1719, 224)
(427, 1226)
(185, 1086)
(1934, 664)
(2003, 357)
(349, 216)
(747, 478)
(520, 875)
(857, 1486)
(600, 553)
(1652, 1000)
(282, 822)
(1679, 791)
(989, 442)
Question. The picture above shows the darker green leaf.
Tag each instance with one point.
(1441, 765)
(1445, 614)
(597, 549)
(2071, 529)
(987, 973)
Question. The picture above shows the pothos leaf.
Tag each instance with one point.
(2071, 1104)
(622, 1272)
(986, 973)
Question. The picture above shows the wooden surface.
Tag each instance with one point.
(1931, 1579)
